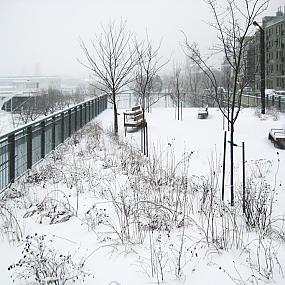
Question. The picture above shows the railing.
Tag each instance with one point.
(157, 100)
(270, 101)
(250, 101)
(21, 148)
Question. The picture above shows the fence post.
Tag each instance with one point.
(53, 134)
(85, 113)
(43, 134)
(93, 108)
(98, 103)
(69, 123)
(29, 147)
(96, 106)
(80, 115)
(89, 113)
(75, 119)
(11, 157)
(62, 127)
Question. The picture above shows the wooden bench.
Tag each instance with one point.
(133, 118)
(203, 113)
(277, 136)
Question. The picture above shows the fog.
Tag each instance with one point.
(41, 37)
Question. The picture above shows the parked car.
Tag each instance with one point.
(247, 90)
(280, 93)
(270, 93)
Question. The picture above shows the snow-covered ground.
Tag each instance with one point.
(88, 183)
(6, 122)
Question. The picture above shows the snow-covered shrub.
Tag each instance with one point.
(54, 208)
(262, 259)
(9, 224)
(42, 264)
(260, 197)
(96, 216)
(272, 112)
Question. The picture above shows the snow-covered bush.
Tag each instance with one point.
(9, 224)
(54, 208)
(42, 264)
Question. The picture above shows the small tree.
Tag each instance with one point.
(193, 81)
(146, 71)
(177, 87)
(111, 59)
(49, 101)
(232, 21)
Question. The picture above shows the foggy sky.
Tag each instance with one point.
(41, 37)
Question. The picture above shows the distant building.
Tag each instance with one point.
(16, 90)
(274, 29)
(27, 82)
(249, 62)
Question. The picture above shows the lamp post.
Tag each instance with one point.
(262, 66)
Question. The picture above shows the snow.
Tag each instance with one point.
(6, 122)
(112, 262)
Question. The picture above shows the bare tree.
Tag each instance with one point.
(80, 94)
(193, 81)
(49, 101)
(111, 59)
(149, 63)
(232, 21)
(177, 85)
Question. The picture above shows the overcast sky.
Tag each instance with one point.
(41, 37)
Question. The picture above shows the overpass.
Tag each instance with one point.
(7, 95)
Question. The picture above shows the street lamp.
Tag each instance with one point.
(262, 66)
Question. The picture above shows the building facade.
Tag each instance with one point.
(274, 31)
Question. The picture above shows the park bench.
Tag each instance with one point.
(203, 113)
(133, 118)
(277, 136)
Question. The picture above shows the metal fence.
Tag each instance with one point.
(165, 100)
(26, 145)
(157, 100)
(277, 102)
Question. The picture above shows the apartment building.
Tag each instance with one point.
(274, 31)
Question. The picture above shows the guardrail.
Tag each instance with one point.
(21, 148)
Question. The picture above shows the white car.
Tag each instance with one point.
(270, 93)
(280, 93)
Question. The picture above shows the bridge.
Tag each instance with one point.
(6, 96)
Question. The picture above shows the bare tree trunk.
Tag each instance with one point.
(232, 164)
(115, 114)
